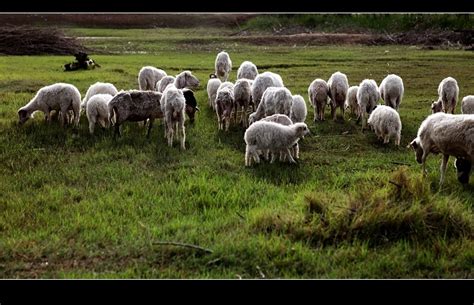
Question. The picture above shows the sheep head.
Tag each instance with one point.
(415, 144)
(436, 106)
(23, 116)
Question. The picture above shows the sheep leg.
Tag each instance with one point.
(297, 151)
(91, 126)
(117, 130)
(150, 125)
(397, 139)
(183, 134)
(444, 162)
(316, 113)
(423, 162)
(342, 110)
(248, 156)
(290, 158)
(333, 112)
(63, 121)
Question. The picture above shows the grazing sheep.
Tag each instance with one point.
(448, 92)
(247, 70)
(467, 105)
(298, 109)
(262, 136)
(148, 77)
(224, 104)
(284, 120)
(223, 66)
(274, 100)
(367, 98)
(262, 82)
(448, 134)
(242, 98)
(165, 81)
(97, 111)
(191, 104)
(212, 86)
(351, 100)
(338, 85)
(97, 88)
(186, 79)
(463, 169)
(172, 105)
(386, 123)
(61, 97)
(318, 92)
(391, 90)
(135, 106)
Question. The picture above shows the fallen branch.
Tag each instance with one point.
(172, 243)
(262, 275)
(394, 183)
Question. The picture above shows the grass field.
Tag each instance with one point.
(92, 207)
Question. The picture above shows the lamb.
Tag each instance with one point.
(247, 70)
(448, 92)
(284, 120)
(448, 134)
(262, 136)
(97, 88)
(223, 66)
(172, 105)
(338, 85)
(212, 86)
(61, 97)
(97, 111)
(274, 100)
(391, 90)
(186, 79)
(165, 81)
(367, 98)
(463, 169)
(467, 105)
(242, 98)
(351, 100)
(135, 105)
(386, 123)
(148, 77)
(224, 104)
(191, 104)
(318, 92)
(262, 82)
(298, 109)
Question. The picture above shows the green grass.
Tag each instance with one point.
(91, 207)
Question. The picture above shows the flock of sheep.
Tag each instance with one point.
(273, 118)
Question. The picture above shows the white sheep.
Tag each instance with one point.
(186, 79)
(298, 109)
(223, 66)
(262, 136)
(274, 100)
(448, 134)
(318, 92)
(165, 81)
(467, 105)
(135, 106)
(224, 104)
(173, 106)
(98, 88)
(242, 99)
(367, 98)
(338, 85)
(97, 111)
(212, 86)
(261, 83)
(148, 77)
(284, 120)
(61, 97)
(448, 92)
(247, 70)
(351, 100)
(391, 90)
(386, 123)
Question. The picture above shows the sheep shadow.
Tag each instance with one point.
(279, 173)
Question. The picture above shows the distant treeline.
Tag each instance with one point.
(323, 22)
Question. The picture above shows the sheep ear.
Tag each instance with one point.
(413, 144)
(22, 113)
